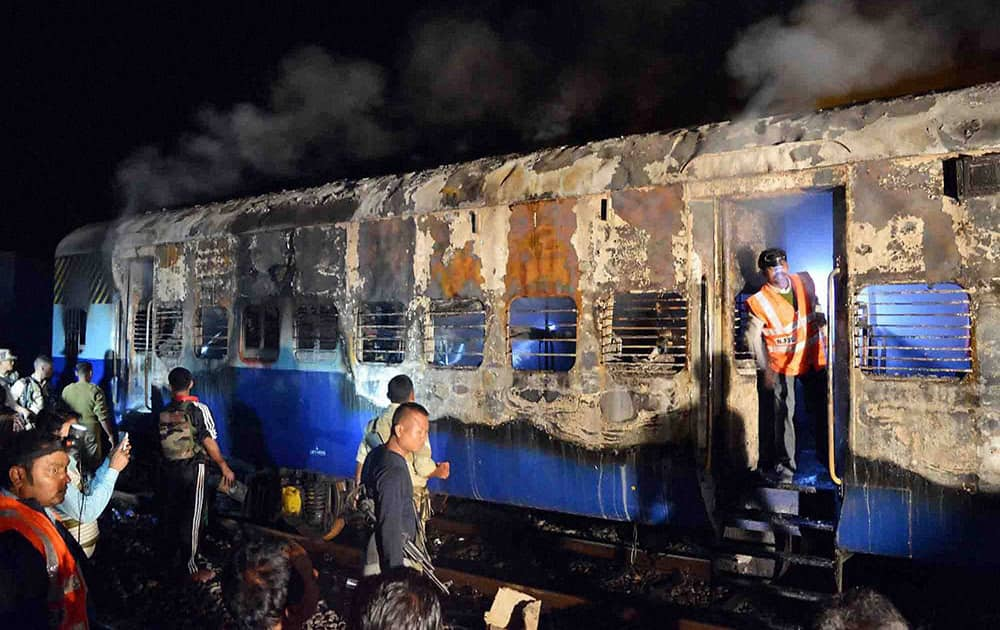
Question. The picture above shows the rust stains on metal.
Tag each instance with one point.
(653, 218)
(455, 269)
(541, 259)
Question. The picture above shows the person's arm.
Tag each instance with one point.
(212, 448)
(755, 342)
(204, 426)
(103, 415)
(12, 403)
(17, 393)
(88, 508)
(426, 467)
(389, 517)
(359, 459)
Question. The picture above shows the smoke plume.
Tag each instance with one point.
(830, 48)
(322, 112)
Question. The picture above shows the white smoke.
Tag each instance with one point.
(827, 48)
(459, 72)
(321, 112)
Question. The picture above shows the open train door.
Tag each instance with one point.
(779, 524)
(135, 336)
(809, 226)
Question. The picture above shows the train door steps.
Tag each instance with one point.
(788, 522)
(778, 538)
(731, 548)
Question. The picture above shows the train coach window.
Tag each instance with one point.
(647, 328)
(913, 330)
(74, 330)
(456, 333)
(142, 333)
(167, 329)
(382, 332)
(542, 333)
(212, 332)
(261, 332)
(316, 329)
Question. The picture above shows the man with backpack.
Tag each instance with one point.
(187, 440)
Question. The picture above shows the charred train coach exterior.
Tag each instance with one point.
(573, 317)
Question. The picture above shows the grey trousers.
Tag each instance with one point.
(813, 386)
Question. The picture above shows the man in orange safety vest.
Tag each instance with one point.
(41, 566)
(785, 334)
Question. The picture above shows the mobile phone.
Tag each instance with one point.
(124, 439)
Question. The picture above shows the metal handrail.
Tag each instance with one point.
(708, 370)
(147, 397)
(831, 364)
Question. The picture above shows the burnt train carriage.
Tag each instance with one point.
(573, 317)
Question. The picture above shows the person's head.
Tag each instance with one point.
(43, 366)
(773, 263)
(401, 389)
(255, 585)
(84, 371)
(399, 598)
(7, 359)
(410, 426)
(35, 465)
(860, 609)
(180, 380)
(55, 424)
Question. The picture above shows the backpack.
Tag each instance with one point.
(177, 433)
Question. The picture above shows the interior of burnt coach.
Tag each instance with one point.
(804, 224)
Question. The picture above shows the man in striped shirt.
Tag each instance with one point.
(187, 440)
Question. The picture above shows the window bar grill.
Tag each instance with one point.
(925, 332)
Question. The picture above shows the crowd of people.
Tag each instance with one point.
(60, 459)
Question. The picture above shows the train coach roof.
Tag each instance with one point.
(962, 120)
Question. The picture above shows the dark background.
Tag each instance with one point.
(90, 84)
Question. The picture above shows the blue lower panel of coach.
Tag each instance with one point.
(314, 420)
(923, 521)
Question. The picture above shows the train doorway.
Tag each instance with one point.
(805, 225)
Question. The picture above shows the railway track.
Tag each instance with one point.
(347, 557)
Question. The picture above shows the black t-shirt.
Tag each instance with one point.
(387, 480)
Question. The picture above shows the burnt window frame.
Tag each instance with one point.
(743, 357)
(199, 335)
(162, 312)
(553, 356)
(453, 308)
(313, 308)
(905, 373)
(267, 316)
(638, 330)
(142, 327)
(366, 321)
(74, 324)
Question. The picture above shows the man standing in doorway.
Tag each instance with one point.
(88, 400)
(786, 335)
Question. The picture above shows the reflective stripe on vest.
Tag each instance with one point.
(795, 343)
(67, 593)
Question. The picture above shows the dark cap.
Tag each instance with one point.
(771, 258)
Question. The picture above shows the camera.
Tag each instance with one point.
(74, 440)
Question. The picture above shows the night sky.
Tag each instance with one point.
(161, 104)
